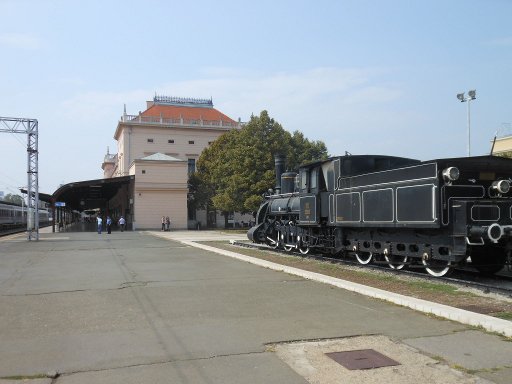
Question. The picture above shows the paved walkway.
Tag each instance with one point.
(133, 307)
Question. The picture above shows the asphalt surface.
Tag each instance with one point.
(133, 307)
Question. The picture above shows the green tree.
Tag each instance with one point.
(239, 166)
(16, 199)
(303, 151)
(505, 154)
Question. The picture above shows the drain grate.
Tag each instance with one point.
(362, 359)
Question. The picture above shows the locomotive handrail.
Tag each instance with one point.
(468, 242)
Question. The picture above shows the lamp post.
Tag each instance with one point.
(471, 96)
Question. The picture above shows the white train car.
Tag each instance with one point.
(14, 216)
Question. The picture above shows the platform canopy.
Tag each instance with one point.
(89, 194)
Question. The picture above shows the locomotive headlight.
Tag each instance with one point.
(451, 173)
(502, 186)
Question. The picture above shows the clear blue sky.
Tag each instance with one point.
(368, 77)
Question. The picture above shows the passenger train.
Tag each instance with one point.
(403, 212)
(14, 216)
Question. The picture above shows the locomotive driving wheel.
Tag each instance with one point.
(291, 230)
(364, 257)
(304, 249)
(272, 234)
(437, 268)
(395, 261)
(288, 248)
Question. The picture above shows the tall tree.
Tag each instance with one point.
(239, 166)
(16, 199)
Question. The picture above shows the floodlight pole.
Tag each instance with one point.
(471, 96)
(469, 127)
(30, 127)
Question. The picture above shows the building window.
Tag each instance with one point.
(170, 141)
(143, 171)
(150, 140)
(191, 166)
(191, 141)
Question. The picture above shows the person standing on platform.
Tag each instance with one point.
(100, 222)
(122, 223)
(163, 223)
(167, 223)
(109, 225)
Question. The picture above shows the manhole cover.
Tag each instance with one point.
(362, 359)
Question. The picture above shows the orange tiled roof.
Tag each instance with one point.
(186, 113)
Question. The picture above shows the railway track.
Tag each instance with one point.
(500, 284)
(8, 232)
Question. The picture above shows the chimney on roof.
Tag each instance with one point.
(149, 104)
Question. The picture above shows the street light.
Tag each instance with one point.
(471, 96)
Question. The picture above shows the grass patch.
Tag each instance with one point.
(466, 370)
(341, 271)
(503, 315)
(439, 288)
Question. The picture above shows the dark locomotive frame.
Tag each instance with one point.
(402, 211)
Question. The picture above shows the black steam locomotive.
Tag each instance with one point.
(433, 214)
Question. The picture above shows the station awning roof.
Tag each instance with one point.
(42, 196)
(90, 194)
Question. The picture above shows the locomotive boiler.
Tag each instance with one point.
(434, 214)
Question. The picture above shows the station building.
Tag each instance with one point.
(147, 178)
(159, 148)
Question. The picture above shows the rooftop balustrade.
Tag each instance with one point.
(156, 120)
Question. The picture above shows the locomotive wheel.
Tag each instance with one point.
(395, 261)
(364, 257)
(488, 261)
(438, 268)
(288, 248)
(304, 249)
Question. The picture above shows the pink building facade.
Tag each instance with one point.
(160, 147)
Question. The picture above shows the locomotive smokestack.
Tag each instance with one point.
(279, 160)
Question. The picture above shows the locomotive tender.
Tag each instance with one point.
(434, 214)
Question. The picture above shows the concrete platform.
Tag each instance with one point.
(132, 307)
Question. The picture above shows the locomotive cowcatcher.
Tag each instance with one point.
(434, 214)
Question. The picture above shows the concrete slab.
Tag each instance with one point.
(253, 368)
(472, 350)
(488, 323)
(498, 376)
(129, 307)
(309, 359)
